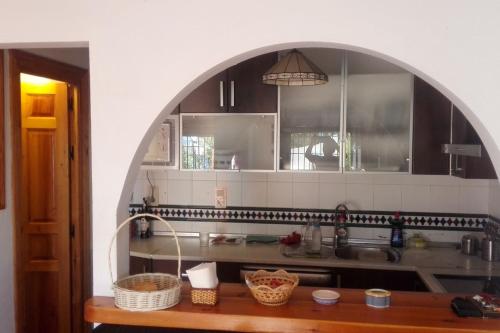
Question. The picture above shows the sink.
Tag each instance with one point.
(368, 253)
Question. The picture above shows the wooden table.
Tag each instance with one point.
(237, 311)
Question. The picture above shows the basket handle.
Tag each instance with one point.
(124, 223)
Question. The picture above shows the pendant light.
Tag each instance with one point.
(294, 69)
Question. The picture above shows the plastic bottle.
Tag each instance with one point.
(397, 231)
(316, 238)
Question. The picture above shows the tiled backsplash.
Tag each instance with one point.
(298, 191)
(379, 192)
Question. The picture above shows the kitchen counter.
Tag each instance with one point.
(237, 311)
(426, 262)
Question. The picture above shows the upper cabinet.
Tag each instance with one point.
(228, 141)
(431, 129)
(469, 166)
(378, 102)
(359, 121)
(310, 136)
(436, 122)
(237, 89)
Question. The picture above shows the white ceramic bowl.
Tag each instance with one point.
(325, 297)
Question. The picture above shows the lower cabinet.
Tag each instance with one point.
(357, 278)
(373, 278)
(138, 265)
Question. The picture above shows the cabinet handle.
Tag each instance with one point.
(232, 93)
(221, 93)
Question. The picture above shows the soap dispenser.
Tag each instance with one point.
(397, 231)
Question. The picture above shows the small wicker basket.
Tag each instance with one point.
(205, 296)
(272, 288)
(148, 291)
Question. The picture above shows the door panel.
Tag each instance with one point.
(45, 207)
(210, 96)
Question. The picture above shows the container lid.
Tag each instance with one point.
(377, 292)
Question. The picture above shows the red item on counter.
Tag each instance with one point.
(292, 239)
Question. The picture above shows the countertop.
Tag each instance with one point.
(237, 311)
(426, 262)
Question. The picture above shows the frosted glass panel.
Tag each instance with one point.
(228, 142)
(378, 122)
(310, 118)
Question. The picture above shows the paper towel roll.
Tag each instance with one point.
(203, 276)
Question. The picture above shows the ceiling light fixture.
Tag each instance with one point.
(294, 69)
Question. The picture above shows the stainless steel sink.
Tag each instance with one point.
(368, 253)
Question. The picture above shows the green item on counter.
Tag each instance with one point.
(262, 239)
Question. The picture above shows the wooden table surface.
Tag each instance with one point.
(237, 311)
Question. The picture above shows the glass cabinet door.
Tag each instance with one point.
(227, 141)
(378, 113)
(310, 118)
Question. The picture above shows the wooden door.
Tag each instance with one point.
(210, 97)
(245, 83)
(44, 200)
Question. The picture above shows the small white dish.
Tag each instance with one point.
(325, 297)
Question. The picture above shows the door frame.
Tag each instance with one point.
(80, 203)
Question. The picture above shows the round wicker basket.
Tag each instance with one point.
(272, 288)
(148, 291)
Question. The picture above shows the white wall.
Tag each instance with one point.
(144, 56)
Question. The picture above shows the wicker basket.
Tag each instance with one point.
(205, 296)
(272, 288)
(161, 291)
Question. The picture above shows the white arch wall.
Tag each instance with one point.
(144, 53)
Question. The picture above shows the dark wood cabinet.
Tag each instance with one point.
(431, 129)
(373, 278)
(466, 166)
(436, 122)
(237, 89)
(139, 265)
(226, 271)
(342, 277)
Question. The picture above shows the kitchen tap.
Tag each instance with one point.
(340, 236)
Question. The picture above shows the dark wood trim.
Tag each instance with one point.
(2, 133)
(81, 261)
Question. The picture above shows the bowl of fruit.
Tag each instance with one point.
(271, 288)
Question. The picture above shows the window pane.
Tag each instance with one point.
(310, 118)
(377, 116)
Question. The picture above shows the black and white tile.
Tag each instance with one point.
(378, 219)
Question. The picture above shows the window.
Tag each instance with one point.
(197, 152)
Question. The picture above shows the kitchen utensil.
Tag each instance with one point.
(488, 249)
(325, 297)
(378, 298)
(261, 239)
(469, 245)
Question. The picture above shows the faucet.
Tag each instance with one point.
(340, 235)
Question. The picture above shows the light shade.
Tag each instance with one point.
(294, 69)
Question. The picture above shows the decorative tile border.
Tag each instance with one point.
(379, 219)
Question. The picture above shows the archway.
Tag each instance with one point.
(134, 167)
